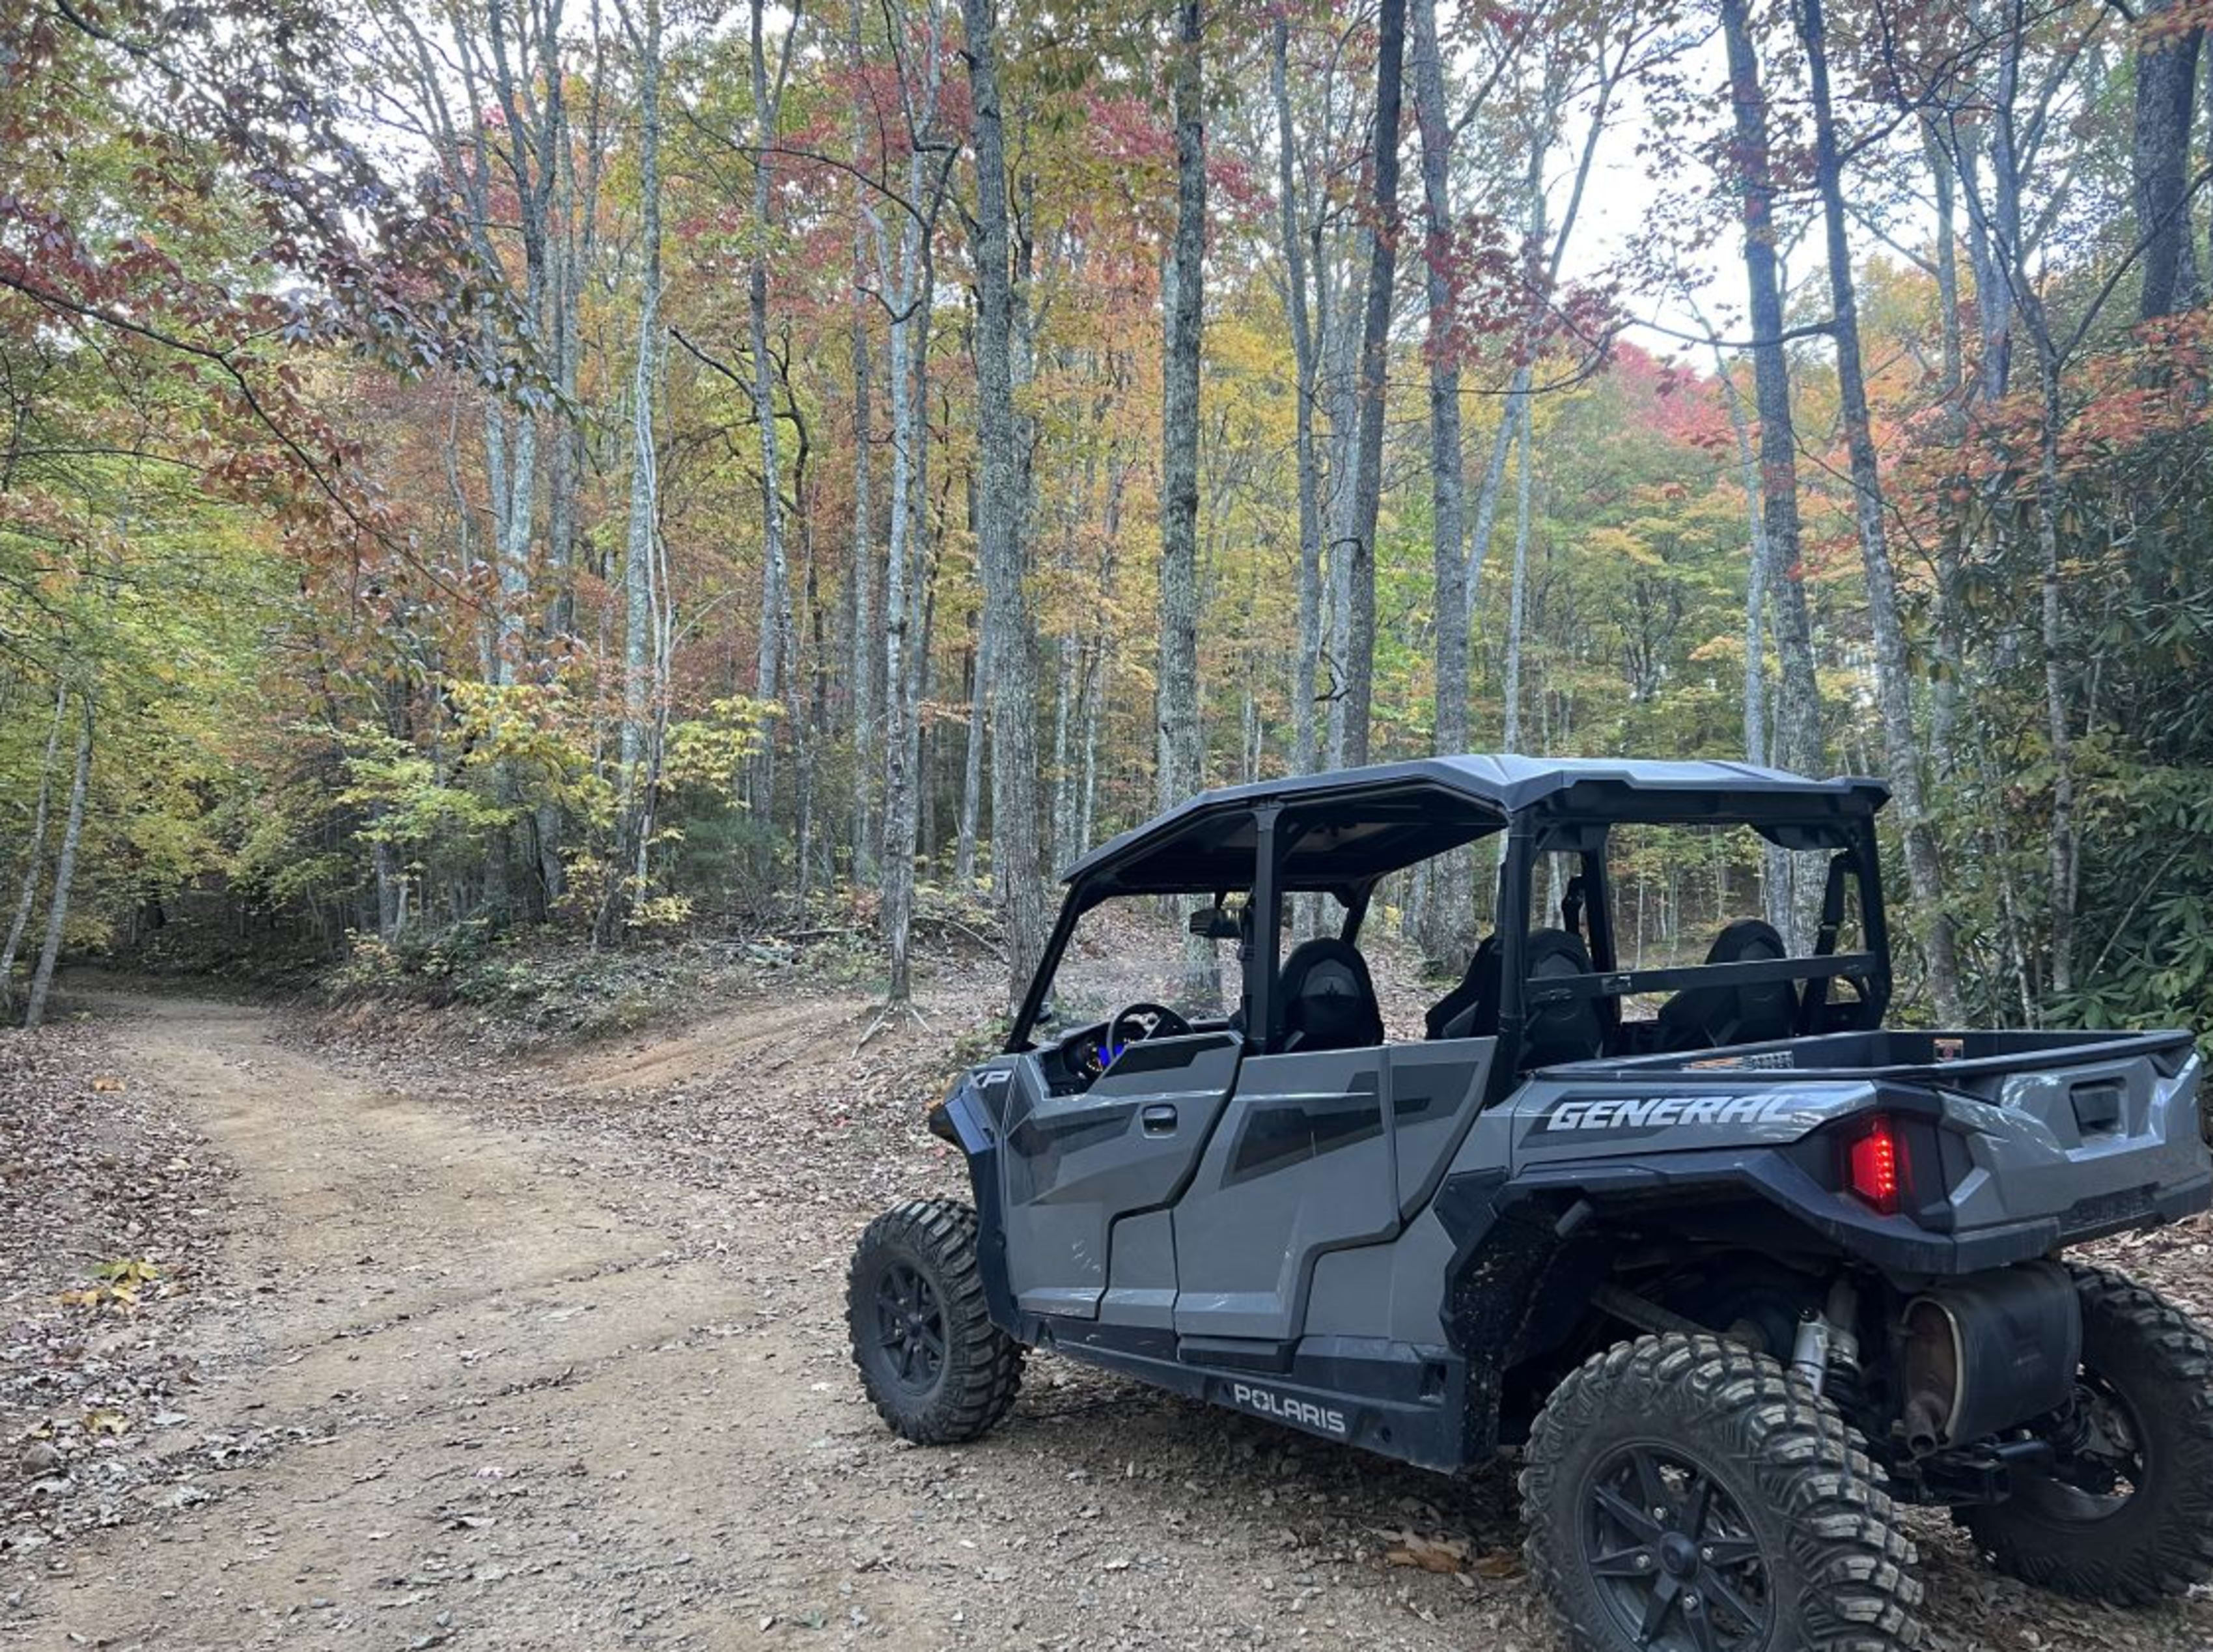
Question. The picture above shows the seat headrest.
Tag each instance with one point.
(1745, 941)
(1470, 1011)
(1329, 999)
(1703, 1017)
(1568, 1030)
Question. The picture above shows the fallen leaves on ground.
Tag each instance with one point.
(111, 1209)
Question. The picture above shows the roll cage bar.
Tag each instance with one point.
(1270, 846)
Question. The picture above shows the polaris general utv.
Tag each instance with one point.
(1737, 1278)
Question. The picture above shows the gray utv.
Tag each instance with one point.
(1737, 1277)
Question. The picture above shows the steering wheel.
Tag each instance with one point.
(1144, 1021)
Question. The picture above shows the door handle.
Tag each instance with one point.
(1159, 1119)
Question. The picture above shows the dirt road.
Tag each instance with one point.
(558, 1362)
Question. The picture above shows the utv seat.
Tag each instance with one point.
(1470, 1011)
(1569, 1029)
(1706, 1017)
(1329, 999)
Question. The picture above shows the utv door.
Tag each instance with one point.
(1317, 1152)
(1081, 1172)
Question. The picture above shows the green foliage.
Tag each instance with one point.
(710, 753)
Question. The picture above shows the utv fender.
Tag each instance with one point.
(964, 1118)
(1504, 1244)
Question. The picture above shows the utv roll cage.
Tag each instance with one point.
(1341, 833)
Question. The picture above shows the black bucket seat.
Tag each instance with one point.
(1329, 999)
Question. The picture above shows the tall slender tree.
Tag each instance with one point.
(1450, 930)
(34, 846)
(1798, 717)
(1185, 295)
(57, 896)
(774, 641)
(1893, 683)
(1009, 642)
(1374, 371)
(2166, 102)
(1306, 650)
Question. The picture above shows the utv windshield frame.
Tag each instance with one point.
(1341, 833)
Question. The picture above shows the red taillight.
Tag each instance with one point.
(1875, 1166)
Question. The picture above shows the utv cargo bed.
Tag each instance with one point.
(1974, 1064)
(2047, 1138)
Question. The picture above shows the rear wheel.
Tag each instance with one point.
(934, 1366)
(1683, 1495)
(2124, 1515)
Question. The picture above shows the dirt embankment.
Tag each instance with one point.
(551, 1355)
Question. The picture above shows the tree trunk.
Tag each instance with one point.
(1340, 358)
(907, 560)
(1944, 693)
(1448, 932)
(42, 978)
(1893, 682)
(2060, 840)
(1182, 762)
(970, 824)
(34, 847)
(641, 605)
(865, 642)
(1518, 599)
(1542, 131)
(1798, 711)
(1015, 857)
(1374, 366)
(1304, 741)
(1184, 301)
(1063, 816)
(1755, 587)
(1993, 229)
(2166, 88)
(776, 578)
(902, 703)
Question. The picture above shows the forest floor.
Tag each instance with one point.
(447, 1348)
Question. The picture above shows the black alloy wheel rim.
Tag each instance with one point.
(1673, 1555)
(2098, 1454)
(910, 1328)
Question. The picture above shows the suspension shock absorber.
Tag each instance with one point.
(1842, 1376)
(1826, 1352)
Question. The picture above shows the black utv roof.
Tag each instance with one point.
(1352, 825)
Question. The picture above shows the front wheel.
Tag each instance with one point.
(934, 1366)
(2124, 1514)
(1682, 1494)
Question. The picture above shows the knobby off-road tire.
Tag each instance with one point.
(2144, 1358)
(934, 1366)
(1773, 1524)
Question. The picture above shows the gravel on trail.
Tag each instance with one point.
(447, 1346)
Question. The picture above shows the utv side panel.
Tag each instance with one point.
(1394, 1291)
(1126, 1145)
(1436, 1090)
(1304, 1161)
(1141, 1275)
(1396, 1401)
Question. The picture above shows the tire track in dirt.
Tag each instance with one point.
(765, 1040)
